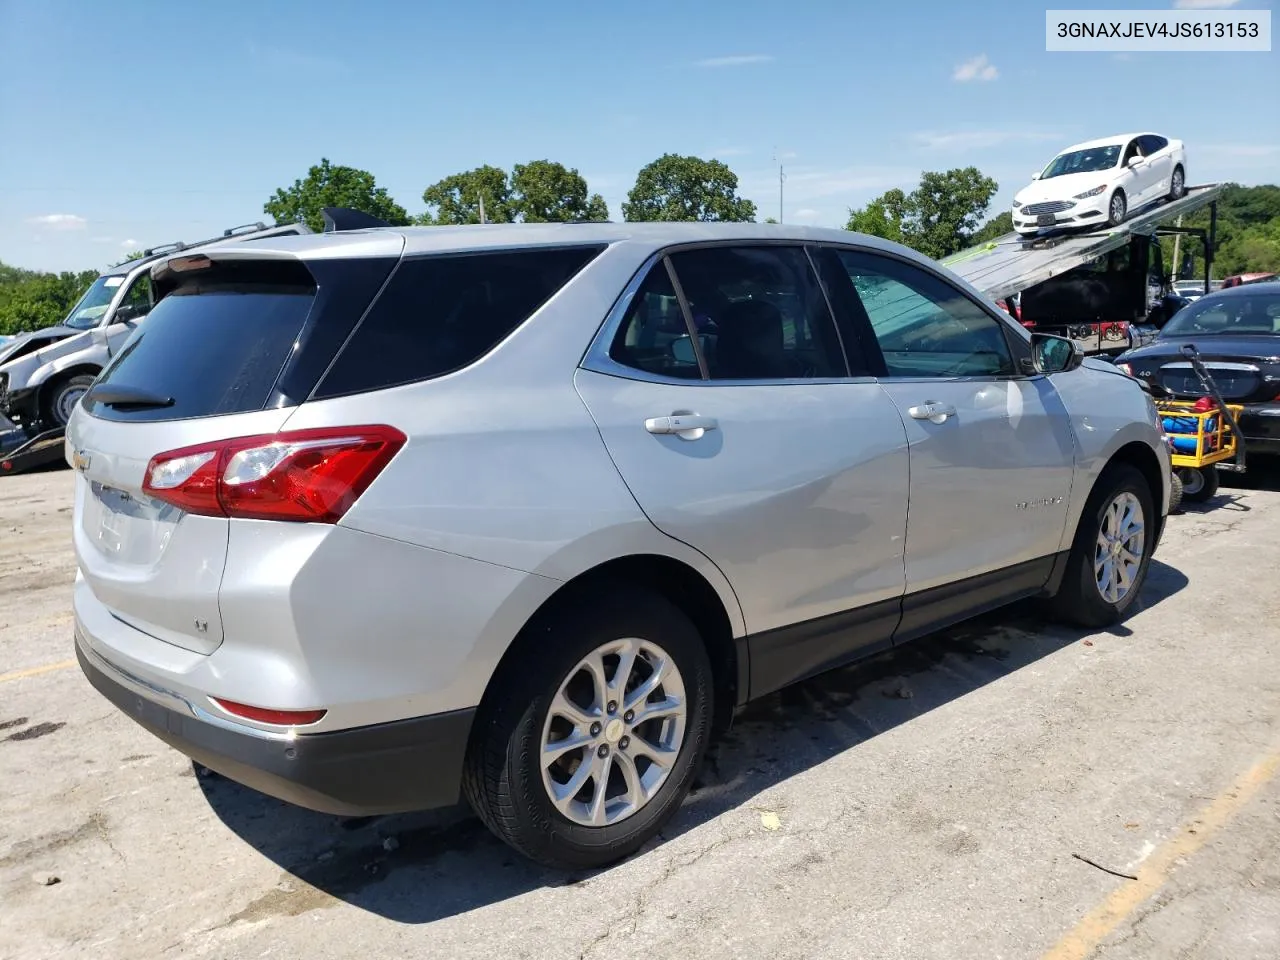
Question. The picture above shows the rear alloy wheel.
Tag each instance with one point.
(62, 397)
(1117, 209)
(588, 742)
(1111, 553)
(1177, 184)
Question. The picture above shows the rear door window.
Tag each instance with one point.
(215, 344)
(760, 313)
(442, 313)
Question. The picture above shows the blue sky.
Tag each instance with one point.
(135, 122)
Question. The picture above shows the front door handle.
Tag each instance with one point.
(932, 411)
(686, 426)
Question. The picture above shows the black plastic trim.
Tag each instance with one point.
(939, 607)
(787, 655)
(395, 767)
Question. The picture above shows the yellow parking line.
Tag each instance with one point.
(1098, 924)
(36, 671)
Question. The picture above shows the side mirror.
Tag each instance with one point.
(682, 351)
(1134, 162)
(1050, 354)
(1036, 175)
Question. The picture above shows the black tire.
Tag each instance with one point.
(1178, 185)
(1117, 209)
(1175, 492)
(502, 779)
(58, 398)
(1079, 601)
(1199, 484)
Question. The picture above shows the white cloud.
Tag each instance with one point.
(60, 221)
(978, 68)
(740, 60)
(806, 214)
(1203, 4)
(130, 244)
(960, 140)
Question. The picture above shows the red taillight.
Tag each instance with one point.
(283, 718)
(301, 475)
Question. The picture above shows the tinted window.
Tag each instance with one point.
(925, 327)
(1227, 315)
(136, 303)
(760, 313)
(216, 344)
(441, 313)
(1151, 143)
(653, 336)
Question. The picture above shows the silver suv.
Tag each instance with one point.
(373, 520)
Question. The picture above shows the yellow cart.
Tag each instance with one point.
(1203, 436)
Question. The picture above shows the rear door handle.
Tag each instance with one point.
(686, 426)
(932, 411)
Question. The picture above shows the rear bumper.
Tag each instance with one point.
(1260, 424)
(395, 767)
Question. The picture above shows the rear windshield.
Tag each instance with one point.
(215, 345)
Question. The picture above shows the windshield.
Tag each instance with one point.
(1257, 314)
(1082, 161)
(86, 314)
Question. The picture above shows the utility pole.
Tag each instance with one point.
(781, 178)
(1177, 242)
(482, 220)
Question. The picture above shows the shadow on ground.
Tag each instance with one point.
(420, 868)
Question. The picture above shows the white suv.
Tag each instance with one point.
(371, 520)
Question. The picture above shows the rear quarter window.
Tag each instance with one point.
(441, 313)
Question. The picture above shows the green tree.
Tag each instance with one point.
(456, 199)
(995, 228)
(1246, 233)
(30, 300)
(884, 217)
(674, 187)
(543, 191)
(326, 185)
(938, 218)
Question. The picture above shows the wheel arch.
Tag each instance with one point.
(676, 581)
(1141, 457)
(61, 375)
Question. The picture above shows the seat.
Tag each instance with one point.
(751, 344)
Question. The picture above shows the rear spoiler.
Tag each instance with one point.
(344, 218)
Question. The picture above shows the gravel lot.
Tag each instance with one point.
(930, 804)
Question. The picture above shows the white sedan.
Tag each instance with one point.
(1098, 183)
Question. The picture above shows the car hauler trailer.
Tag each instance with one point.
(1107, 290)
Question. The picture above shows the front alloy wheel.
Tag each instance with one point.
(1116, 210)
(1111, 551)
(1120, 547)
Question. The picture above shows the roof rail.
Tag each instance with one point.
(344, 218)
(164, 248)
(250, 227)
